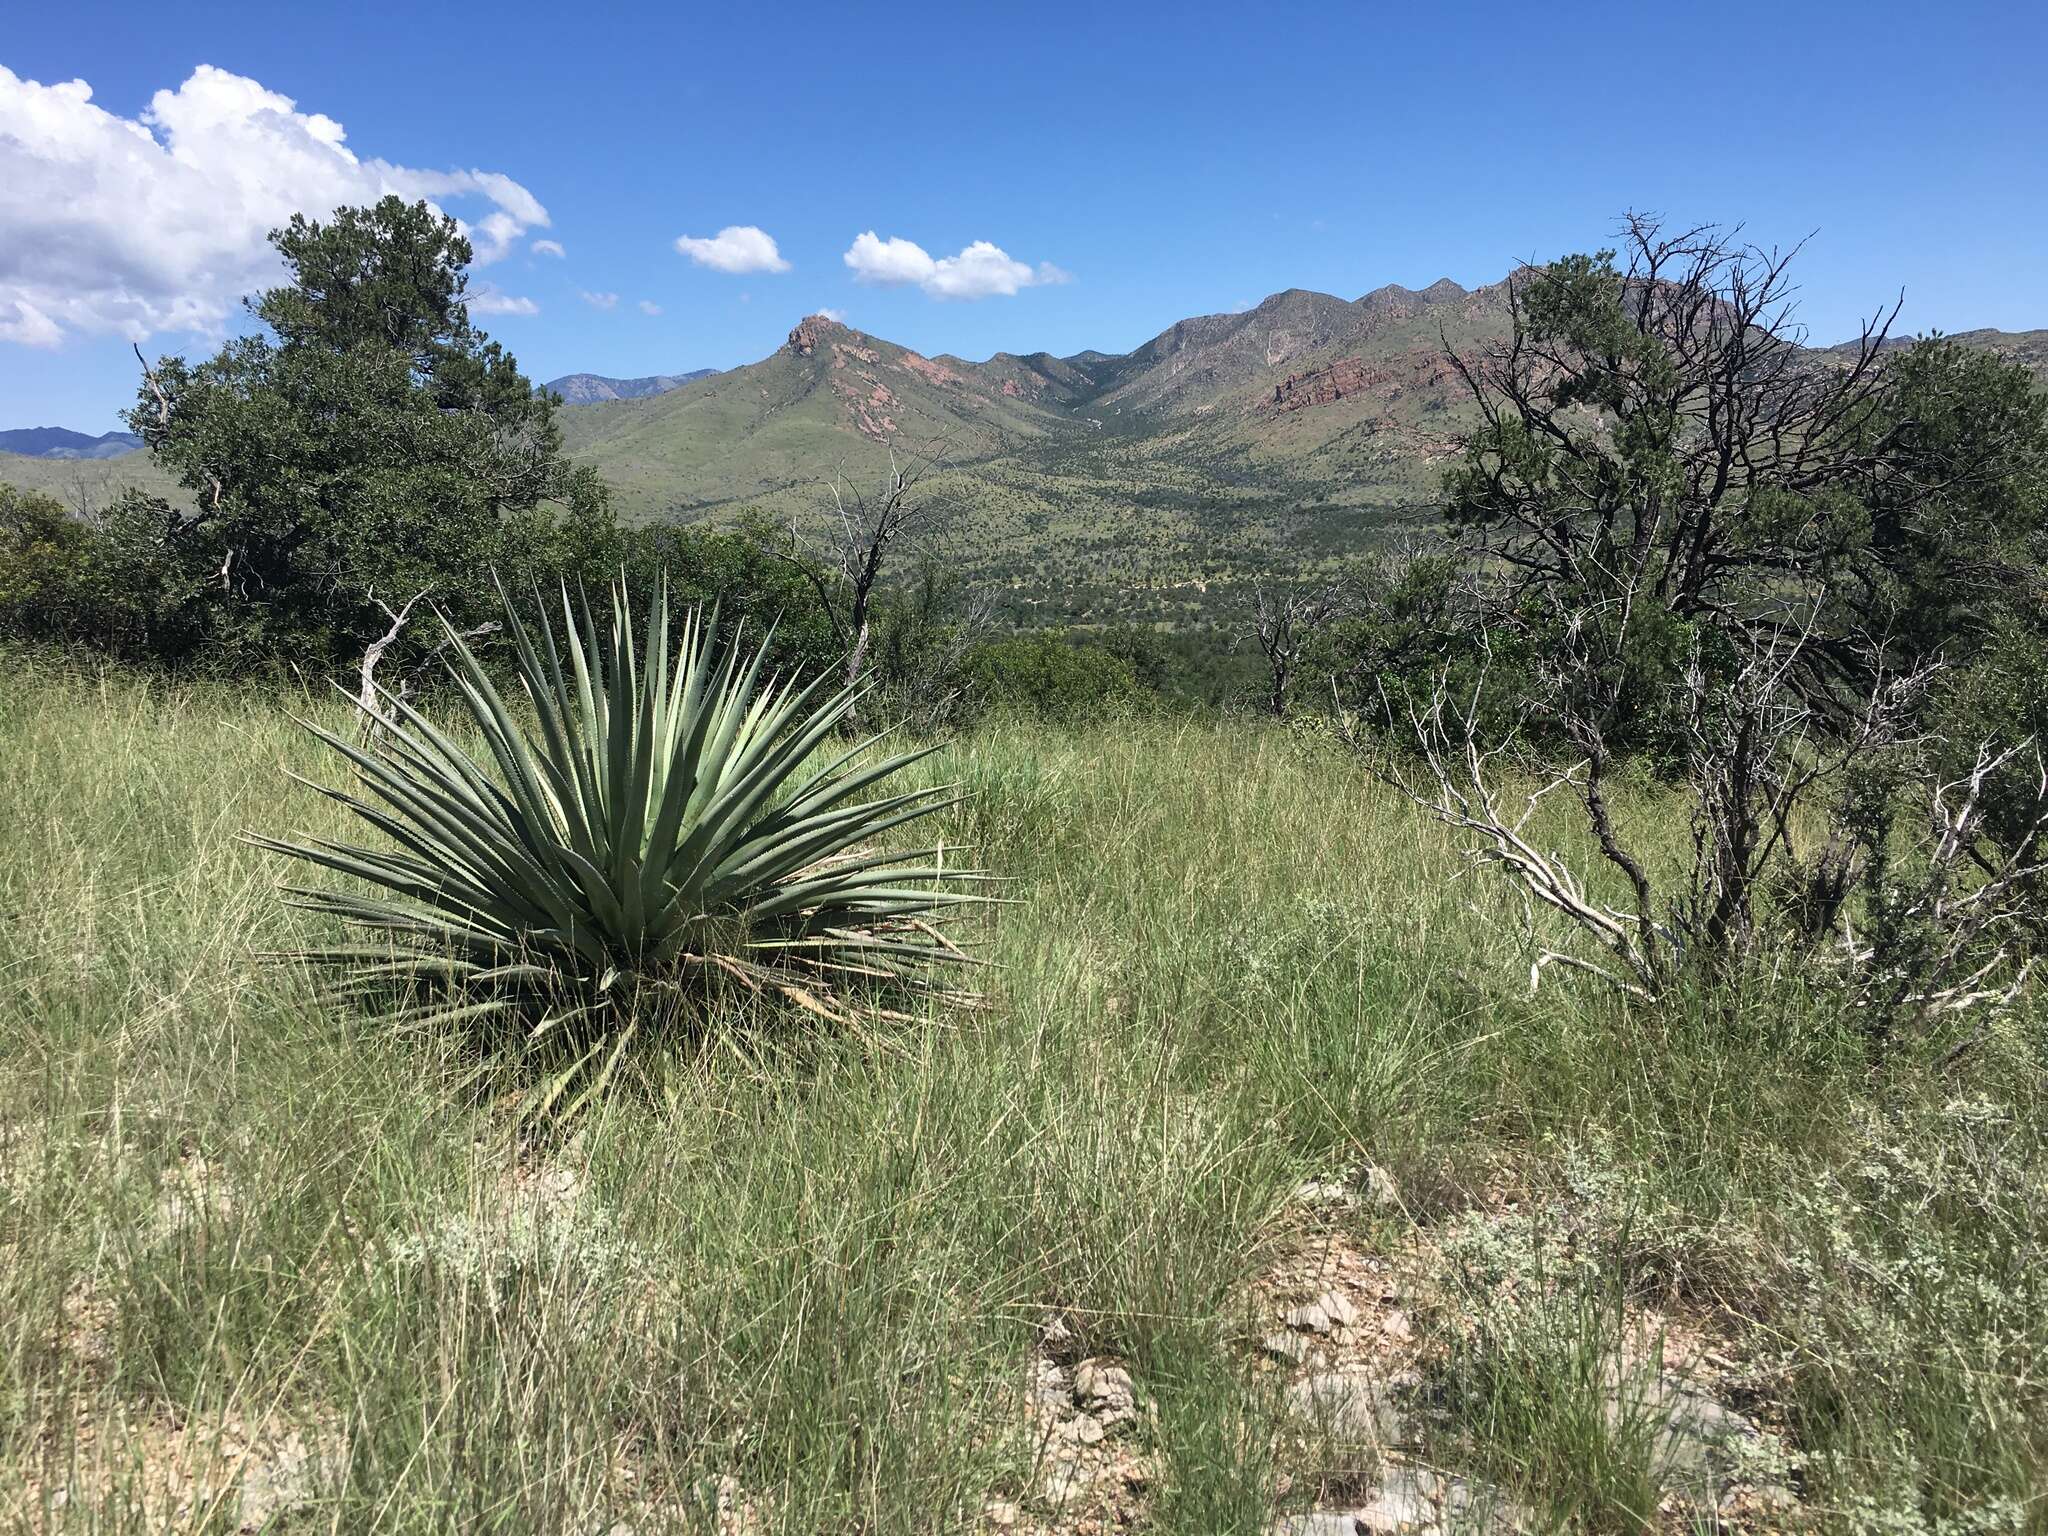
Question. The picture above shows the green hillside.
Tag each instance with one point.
(1142, 485)
(1095, 485)
(829, 396)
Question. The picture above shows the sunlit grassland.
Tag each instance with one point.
(813, 1261)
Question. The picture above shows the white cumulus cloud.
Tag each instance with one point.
(736, 248)
(649, 307)
(158, 222)
(838, 315)
(547, 248)
(982, 270)
(600, 300)
(489, 300)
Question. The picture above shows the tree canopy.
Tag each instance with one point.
(367, 445)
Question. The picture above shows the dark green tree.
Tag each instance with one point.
(1958, 556)
(1958, 522)
(41, 550)
(368, 446)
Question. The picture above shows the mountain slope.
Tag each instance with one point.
(88, 483)
(1282, 381)
(1137, 485)
(827, 396)
(1303, 428)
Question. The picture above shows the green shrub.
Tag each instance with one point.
(1052, 679)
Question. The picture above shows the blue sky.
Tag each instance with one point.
(1165, 160)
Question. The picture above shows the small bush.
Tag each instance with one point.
(1052, 679)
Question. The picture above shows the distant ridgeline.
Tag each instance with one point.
(1146, 486)
(63, 443)
(589, 388)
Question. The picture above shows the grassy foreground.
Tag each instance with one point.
(802, 1276)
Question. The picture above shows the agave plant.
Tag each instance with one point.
(655, 823)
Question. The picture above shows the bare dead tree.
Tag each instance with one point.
(1949, 943)
(182, 522)
(1285, 622)
(374, 717)
(91, 487)
(859, 533)
(1460, 787)
(1760, 752)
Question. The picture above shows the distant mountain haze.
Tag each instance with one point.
(589, 388)
(63, 443)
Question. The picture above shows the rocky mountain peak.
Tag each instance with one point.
(1389, 296)
(809, 331)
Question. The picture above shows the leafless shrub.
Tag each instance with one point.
(1286, 620)
(1665, 492)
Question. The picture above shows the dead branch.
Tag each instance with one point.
(1461, 793)
(375, 719)
(1285, 621)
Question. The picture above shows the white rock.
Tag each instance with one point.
(1308, 1319)
(1325, 1192)
(1063, 1481)
(1085, 1429)
(1317, 1522)
(1354, 1405)
(279, 1482)
(1369, 1186)
(1692, 1433)
(1378, 1189)
(1419, 1501)
(1338, 1307)
(1098, 1381)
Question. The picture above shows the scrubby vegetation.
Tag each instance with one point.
(639, 1175)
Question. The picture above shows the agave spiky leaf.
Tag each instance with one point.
(658, 828)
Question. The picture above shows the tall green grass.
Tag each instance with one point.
(814, 1263)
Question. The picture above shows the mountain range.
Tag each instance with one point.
(1129, 485)
(589, 388)
(1227, 444)
(1102, 484)
(63, 443)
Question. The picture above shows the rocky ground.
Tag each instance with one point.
(1348, 1337)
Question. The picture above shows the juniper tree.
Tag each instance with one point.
(367, 445)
